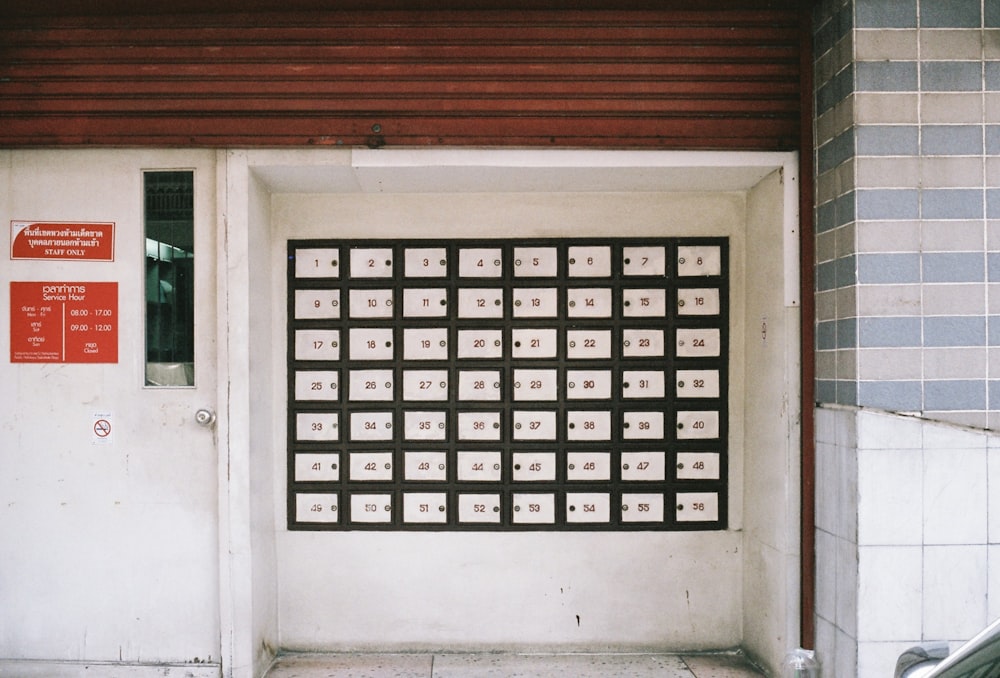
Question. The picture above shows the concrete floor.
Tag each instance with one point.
(502, 665)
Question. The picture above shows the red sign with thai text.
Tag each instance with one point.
(57, 240)
(64, 322)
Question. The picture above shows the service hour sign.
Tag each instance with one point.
(64, 322)
(500, 384)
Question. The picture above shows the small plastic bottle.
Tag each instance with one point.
(800, 663)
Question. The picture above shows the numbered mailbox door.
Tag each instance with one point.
(588, 425)
(479, 385)
(588, 507)
(317, 426)
(479, 466)
(317, 344)
(588, 384)
(483, 262)
(644, 261)
(371, 262)
(532, 508)
(696, 302)
(425, 344)
(699, 260)
(432, 466)
(533, 466)
(371, 303)
(371, 466)
(699, 343)
(588, 302)
(697, 425)
(317, 468)
(480, 302)
(480, 344)
(425, 385)
(644, 466)
(418, 425)
(371, 426)
(642, 507)
(588, 344)
(321, 262)
(317, 304)
(589, 262)
(425, 262)
(697, 383)
(371, 343)
(371, 508)
(479, 426)
(536, 262)
(588, 465)
(534, 424)
(698, 466)
(534, 343)
(536, 384)
(425, 303)
(644, 303)
(312, 507)
(642, 425)
(425, 507)
(697, 507)
(535, 302)
(370, 385)
(642, 343)
(478, 508)
(317, 385)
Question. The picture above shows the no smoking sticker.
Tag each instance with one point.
(103, 433)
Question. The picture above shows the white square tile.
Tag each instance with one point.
(890, 512)
(881, 431)
(955, 586)
(993, 494)
(847, 587)
(824, 423)
(826, 575)
(948, 437)
(889, 586)
(846, 428)
(847, 493)
(845, 662)
(993, 582)
(827, 475)
(955, 504)
(826, 643)
(879, 659)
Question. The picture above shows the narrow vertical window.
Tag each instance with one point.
(168, 216)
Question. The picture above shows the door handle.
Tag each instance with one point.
(204, 417)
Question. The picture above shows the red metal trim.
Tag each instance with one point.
(807, 546)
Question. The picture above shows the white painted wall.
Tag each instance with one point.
(772, 411)
(629, 590)
(518, 590)
(109, 552)
(111, 555)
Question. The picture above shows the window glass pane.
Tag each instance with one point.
(169, 229)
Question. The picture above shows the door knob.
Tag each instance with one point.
(204, 417)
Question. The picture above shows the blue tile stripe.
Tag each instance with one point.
(961, 198)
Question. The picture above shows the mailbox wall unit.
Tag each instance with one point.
(528, 384)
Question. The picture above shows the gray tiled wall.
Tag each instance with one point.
(908, 206)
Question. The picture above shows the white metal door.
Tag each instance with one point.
(110, 510)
